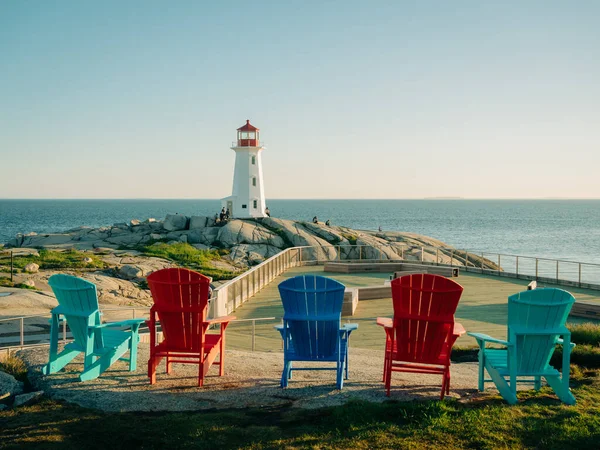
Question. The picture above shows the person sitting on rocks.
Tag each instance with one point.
(267, 212)
(328, 223)
(315, 220)
(222, 215)
(217, 219)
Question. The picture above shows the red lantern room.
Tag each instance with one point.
(247, 136)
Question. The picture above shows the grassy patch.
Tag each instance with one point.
(52, 259)
(538, 421)
(189, 256)
(5, 282)
(14, 366)
(585, 333)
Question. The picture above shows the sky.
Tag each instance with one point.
(354, 99)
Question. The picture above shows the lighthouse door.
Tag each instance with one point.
(230, 206)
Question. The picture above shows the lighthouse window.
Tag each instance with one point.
(254, 181)
(255, 204)
(253, 160)
(251, 135)
(244, 135)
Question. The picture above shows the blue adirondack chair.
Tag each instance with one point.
(101, 346)
(312, 329)
(536, 322)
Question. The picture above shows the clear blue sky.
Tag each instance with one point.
(399, 99)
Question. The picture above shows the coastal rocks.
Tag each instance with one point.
(46, 240)
(130, 272)
(204, 236)
(134, 222)
(295, 234)
(175, 222)
(242, 232)
(27, 399)
(29, 283)
(31, 268)
(9, 385)
(252, 253)
(118, 292)
(198, 222)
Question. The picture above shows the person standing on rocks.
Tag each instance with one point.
(315, 220)
(267, 212)
(227, 214)
(328, 223)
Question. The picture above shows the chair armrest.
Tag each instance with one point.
(223, 319)
(385, 322)
(560, 341)
(459, 330)
(279, 327)
(122, 323)
(349, 327)
(485, 338)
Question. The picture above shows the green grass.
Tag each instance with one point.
(538, 421)
(52, 259)
(5, 282)
(188, 256)
(585, 333)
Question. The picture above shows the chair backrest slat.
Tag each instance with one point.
(181, 301)
(537, 310)
(312, 311)
(424, 307)
(78, 296)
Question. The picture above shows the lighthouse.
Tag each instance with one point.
(247, 199)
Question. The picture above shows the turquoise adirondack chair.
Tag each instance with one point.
(101, 346)
(536, 322)
(312, 329)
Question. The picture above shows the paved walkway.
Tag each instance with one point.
(482, 308)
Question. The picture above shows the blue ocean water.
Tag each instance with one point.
(561, 229)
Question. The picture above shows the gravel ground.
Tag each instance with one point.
(251, 380)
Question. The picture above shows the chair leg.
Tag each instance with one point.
(133, 345)
(153, 363)
(562, 391)
(222, 357)
(538, 383)
(169, 365)
(104, 362)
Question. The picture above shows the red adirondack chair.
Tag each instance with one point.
(181, 304)
(420, 336)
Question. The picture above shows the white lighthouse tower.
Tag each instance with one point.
(247, 199)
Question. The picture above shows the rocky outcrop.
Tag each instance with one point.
(252, 240)
(9, 385)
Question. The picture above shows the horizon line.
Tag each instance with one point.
(298, 198)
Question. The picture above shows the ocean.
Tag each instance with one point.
(558, 229)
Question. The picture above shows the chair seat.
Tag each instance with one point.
(498, 358)
(210, 341)
(442, 358)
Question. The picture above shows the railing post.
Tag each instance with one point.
(437, 256)
(557, 270)
(253, 334)
(133, 313)
(422, 251)
(482, 263)
(517, 267)
(12, 269)
(498, 263)
(451, 257)
(402, 253)
(579, 274)
(536, 268)
(21, 331)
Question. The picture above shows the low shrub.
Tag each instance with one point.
(585, 333)
(14, 366)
